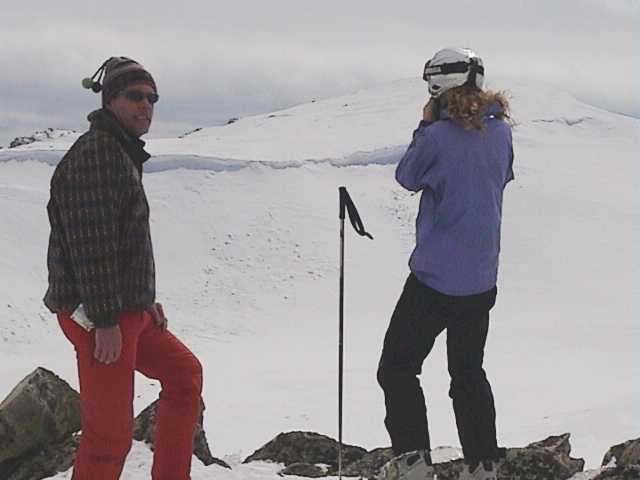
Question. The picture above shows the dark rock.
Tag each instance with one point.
(186, 134)
(545, 460)
(627, 453)
(556, 443)
(538, 463)
(144, 430)
(43, 462)
(621, 472)
(369, 465)
(18, 141)
(41, 410)
(303, 470)
(306, 447)
(232, 120)
(47, 134)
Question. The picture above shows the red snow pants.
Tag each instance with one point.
(106, 399)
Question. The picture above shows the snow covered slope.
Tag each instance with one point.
(245, 227)
(363, 127)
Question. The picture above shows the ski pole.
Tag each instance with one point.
(345, 204)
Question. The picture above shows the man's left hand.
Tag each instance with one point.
(159, 318)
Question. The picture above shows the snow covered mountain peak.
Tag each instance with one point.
(341, 129)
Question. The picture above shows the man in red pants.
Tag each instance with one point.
(102, 285)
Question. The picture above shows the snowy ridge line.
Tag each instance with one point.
(51, 157)
(162, 163)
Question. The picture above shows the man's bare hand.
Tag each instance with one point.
(159, 318)
(108, 344)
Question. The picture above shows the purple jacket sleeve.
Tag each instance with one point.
(510, 175)
(418, 161)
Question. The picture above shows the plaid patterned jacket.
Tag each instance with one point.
(100, 251)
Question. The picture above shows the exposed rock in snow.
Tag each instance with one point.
(39, 415)
(186, 134)
(144, 429)
(627, 453)
(304, 454)
(48, 134)
(305, 447)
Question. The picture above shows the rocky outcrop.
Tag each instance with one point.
(306, 447)
(40, 420)
(627, 453)
(620, 472)
(549, 458)
(144, 429)
(626, 459)
(186, 134)
(48, 134)
(43, 462)
(304, 454)
(37, 420)
(369, 465)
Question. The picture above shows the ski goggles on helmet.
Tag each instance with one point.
(137, 96)
(448, 68)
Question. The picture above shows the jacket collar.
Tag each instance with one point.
(106, 121)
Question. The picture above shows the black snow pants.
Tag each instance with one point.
(419, 317)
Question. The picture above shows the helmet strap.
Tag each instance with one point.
(474, 69)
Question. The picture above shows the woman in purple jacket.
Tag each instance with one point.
(461, 159)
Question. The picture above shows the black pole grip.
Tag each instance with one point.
(354, 216)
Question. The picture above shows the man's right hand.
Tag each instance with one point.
(108, 344)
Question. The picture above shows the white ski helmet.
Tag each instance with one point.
(453, 67)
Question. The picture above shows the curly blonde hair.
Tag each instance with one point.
(467, 106)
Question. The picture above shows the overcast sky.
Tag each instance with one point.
(213, 60)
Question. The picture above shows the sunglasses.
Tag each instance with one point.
(138, 96)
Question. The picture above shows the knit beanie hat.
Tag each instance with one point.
(119, 73)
